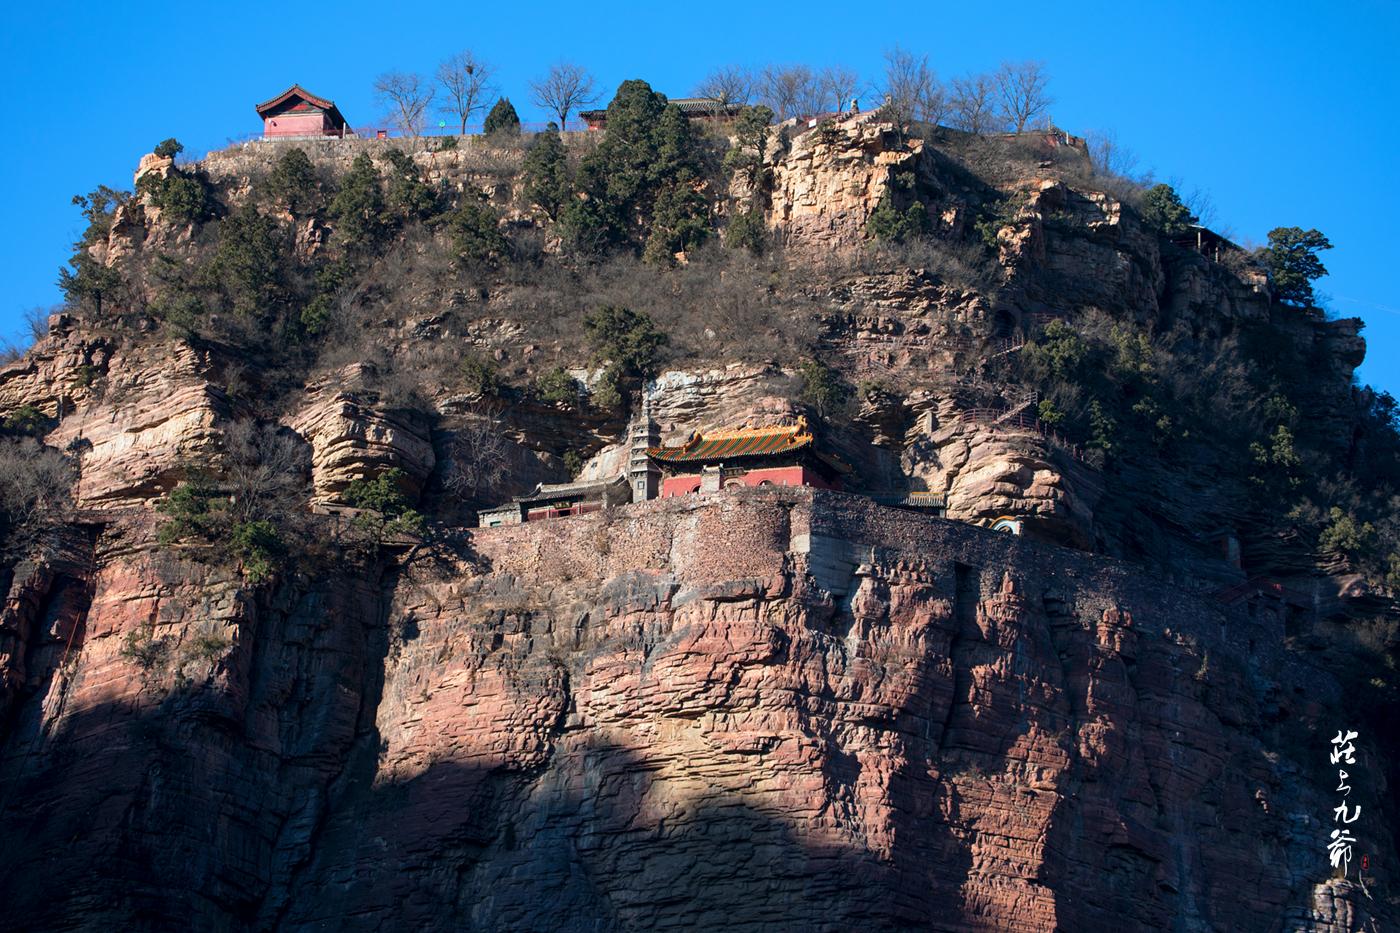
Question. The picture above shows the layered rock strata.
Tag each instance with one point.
(760, 709)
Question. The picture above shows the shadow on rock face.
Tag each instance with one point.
(600, 847)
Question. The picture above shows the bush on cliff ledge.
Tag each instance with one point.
(292, 184)
(183, 197)
(385, 511)
(627, 339)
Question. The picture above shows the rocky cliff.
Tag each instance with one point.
(771, 709)
(241, 692)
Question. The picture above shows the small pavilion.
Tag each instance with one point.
(779, 455)
(296, 112)
(1207, 242)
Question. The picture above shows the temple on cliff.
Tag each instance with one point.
(781, 455)
(777, 455)
(555, 500)
(297, 112)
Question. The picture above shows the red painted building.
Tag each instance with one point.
(297, 112)
(784, 455)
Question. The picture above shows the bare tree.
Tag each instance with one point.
(1198, 201)
(466, 83)
(790, 90)
(1108, 157)
(479, 455)
(36, 322)
(912, 90)
(565, 88)
(406, 97)
(840, 85)
(729, 85)
(972, 104)
(266, 468)
(36, 328)
(35, 488)
(1023, 92)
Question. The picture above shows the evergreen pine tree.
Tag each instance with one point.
(547, 182)
(1163, 211)
(502, 119)
(358, 207)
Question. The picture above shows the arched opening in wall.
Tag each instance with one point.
(765, 482)
(1003, 324)
(734, 484)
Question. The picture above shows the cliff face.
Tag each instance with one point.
(761, 709)
(764, 709)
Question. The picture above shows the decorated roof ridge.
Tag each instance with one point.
(703, 104)
(724, 434)
(322, 102)
(738, 442)
(544, 490)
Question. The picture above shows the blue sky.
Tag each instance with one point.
(1281, 111)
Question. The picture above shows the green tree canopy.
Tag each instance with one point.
(169, 148)
(1291, 258)
(181, 196)
(888, 223)
(625, 338)
(750, 148)
(502, 119)
(822, 387)
(386, 510)
(87, 281)
(647, 154)
(248, 263)
(408, 197)
(358, 207)
(292, 183)
(1163, 211)
(476, 234)
(547, 181)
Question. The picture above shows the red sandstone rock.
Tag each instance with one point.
(752, 710)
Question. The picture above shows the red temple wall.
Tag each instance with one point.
(773, 476)
(298, 124)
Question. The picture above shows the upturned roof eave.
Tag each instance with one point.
(299, 91)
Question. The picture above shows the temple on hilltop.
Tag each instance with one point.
(781, 455)
(698, 109)
(297, 112)
(555, 500)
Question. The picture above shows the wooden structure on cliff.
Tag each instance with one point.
(782, 455)
(1207, 242)
(297, 113)
(554, 500)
